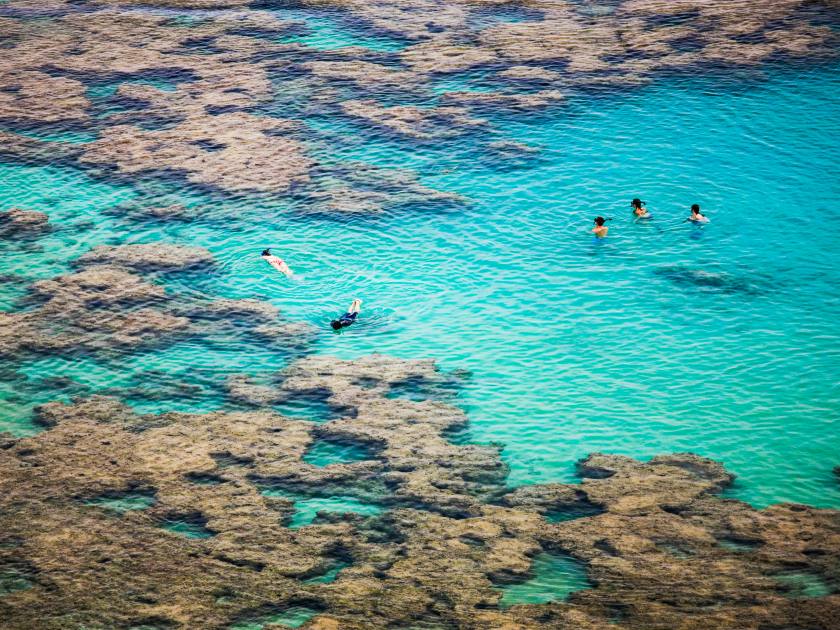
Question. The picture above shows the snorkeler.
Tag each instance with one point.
(696, 216)
(639, 211)
(349, 317)
(600, 230)
(275, 261)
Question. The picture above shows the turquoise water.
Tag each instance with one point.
(802, 584)
(327, 30)
(555, 577)
(307, 507)
(721, 341)
(329, 576)
(124, 503)
(324, 453)
(293, 617)
(187, 529)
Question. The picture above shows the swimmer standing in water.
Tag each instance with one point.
(275, 261)
(639, 211)
(349, 317)
(696, 216)
(600, 230)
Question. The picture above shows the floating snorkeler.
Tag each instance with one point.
(696, 216)
(600, 230)
(349, 317)
(639, 210)
(275, 261)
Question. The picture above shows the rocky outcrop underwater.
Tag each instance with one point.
(221, 95)
(111, 519)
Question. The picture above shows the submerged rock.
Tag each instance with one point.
(32, 96)
(363, 74)
(414, 122)
(357, 187)
(17, 223)
(94, 309)
(519, 102)
(530, 74)
(172, 212)
(107, 308)
(451, 538)
(233, 152)
(714, 281)
(442, 55)
(149, 257)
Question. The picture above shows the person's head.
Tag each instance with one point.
(637, 203)
(336, 325)
(695, 209)
(599, 221)
(266, 252)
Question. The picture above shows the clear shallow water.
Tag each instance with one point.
(293, 617)
(307, 507)
(573, 347)
(555, 577)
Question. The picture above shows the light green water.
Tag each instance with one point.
(323, 453)
(307, 508)
(293, 617)
(555, 578)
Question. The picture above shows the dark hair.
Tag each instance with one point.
(696, 208)
(335, 324)
(637, 203)
(266, 252)
(599, 220)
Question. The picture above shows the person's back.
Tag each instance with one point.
(696, 215)
(275, 261)
(600, 230)
(639, 210)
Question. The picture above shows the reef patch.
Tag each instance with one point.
(444, 542)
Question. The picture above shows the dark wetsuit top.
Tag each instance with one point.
(347, 319)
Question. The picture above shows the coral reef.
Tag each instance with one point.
(414, 122)
(149, 257)
(198, 100)
(18, 223)
(28, 96)
(109, 307)
(87, 508)
(101, 308)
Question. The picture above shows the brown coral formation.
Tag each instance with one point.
(216, 123)
(19, 223)
(359, 188)
(233, 152)
(108, 307)
(149, 257)
(96, 309)
(661, 550)
(414, 122)
(29, 96)
(497, 100)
